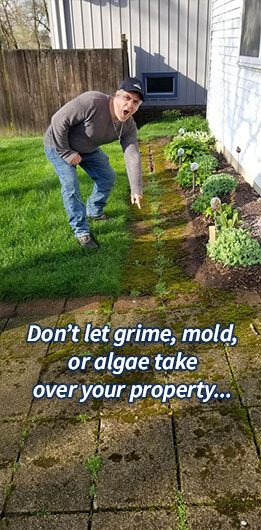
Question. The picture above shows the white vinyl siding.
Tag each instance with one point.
(234, 93)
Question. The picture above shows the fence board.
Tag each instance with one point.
(35, 84)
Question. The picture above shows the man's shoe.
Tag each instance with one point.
(87, 241)
(102, 217)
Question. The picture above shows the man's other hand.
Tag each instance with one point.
(136, 199)
(76, 160)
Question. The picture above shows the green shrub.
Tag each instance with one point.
(194, 145)
(235, 247)
(219, 184)
(202, 204)
(193, 123)
(207, 164)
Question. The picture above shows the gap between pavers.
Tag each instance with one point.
(10, 438)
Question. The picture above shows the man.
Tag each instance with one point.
(74, 136)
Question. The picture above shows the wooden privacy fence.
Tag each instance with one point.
(35, 84)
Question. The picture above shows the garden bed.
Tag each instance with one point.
(215, 274)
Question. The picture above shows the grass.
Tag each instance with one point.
(157, 129)
(168, 127)
(40, 255)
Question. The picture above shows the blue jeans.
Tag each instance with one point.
(97, 166)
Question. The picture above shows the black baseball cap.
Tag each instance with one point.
(132, 84)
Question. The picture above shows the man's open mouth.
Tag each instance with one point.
(125, 113)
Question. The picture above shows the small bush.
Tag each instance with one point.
(235, 247)
(202, 203)
(193, 123)
(207, 164)
(220, 184)
(194, 145)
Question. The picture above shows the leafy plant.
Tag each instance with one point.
(202, 204)
(194, 145)
(206, 163)
(235, 247)
(93, 465)
(219, 184)
(172, 114)
(227, 217)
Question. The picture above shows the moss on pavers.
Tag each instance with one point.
(58, 373)
(145, 520)
(47, 521)
(13, 339)
(218, 459)
(255, 419)
(20, 366)
(10, 438)
(149, 319)
(229, 516)
(51, 475)
(138, 465)
(212, 368)
(141, 278)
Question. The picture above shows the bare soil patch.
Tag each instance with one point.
(215, 274)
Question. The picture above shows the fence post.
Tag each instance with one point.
(125, 60)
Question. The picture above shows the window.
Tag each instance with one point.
(250, 44)
(162, 85)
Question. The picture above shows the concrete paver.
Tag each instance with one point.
(218, 460)
(10, 437)
(51, 474)
(46, 522)
(138, 464)
(154, 520)
(232, 517)
(20, 366)
(212, 369)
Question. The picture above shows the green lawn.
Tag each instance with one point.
(40, 256)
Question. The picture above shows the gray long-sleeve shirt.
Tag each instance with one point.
(85, 123)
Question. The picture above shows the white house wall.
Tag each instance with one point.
(163, 36)
(234, 93)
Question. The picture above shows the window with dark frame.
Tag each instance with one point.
(250, 43)
(160, 85)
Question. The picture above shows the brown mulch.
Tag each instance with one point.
(215, 274)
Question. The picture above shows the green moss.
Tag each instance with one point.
(106, 305)
(140, 277)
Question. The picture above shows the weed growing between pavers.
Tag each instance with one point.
(181, 512)
(93, 465)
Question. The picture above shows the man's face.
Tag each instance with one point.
(125, 104)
